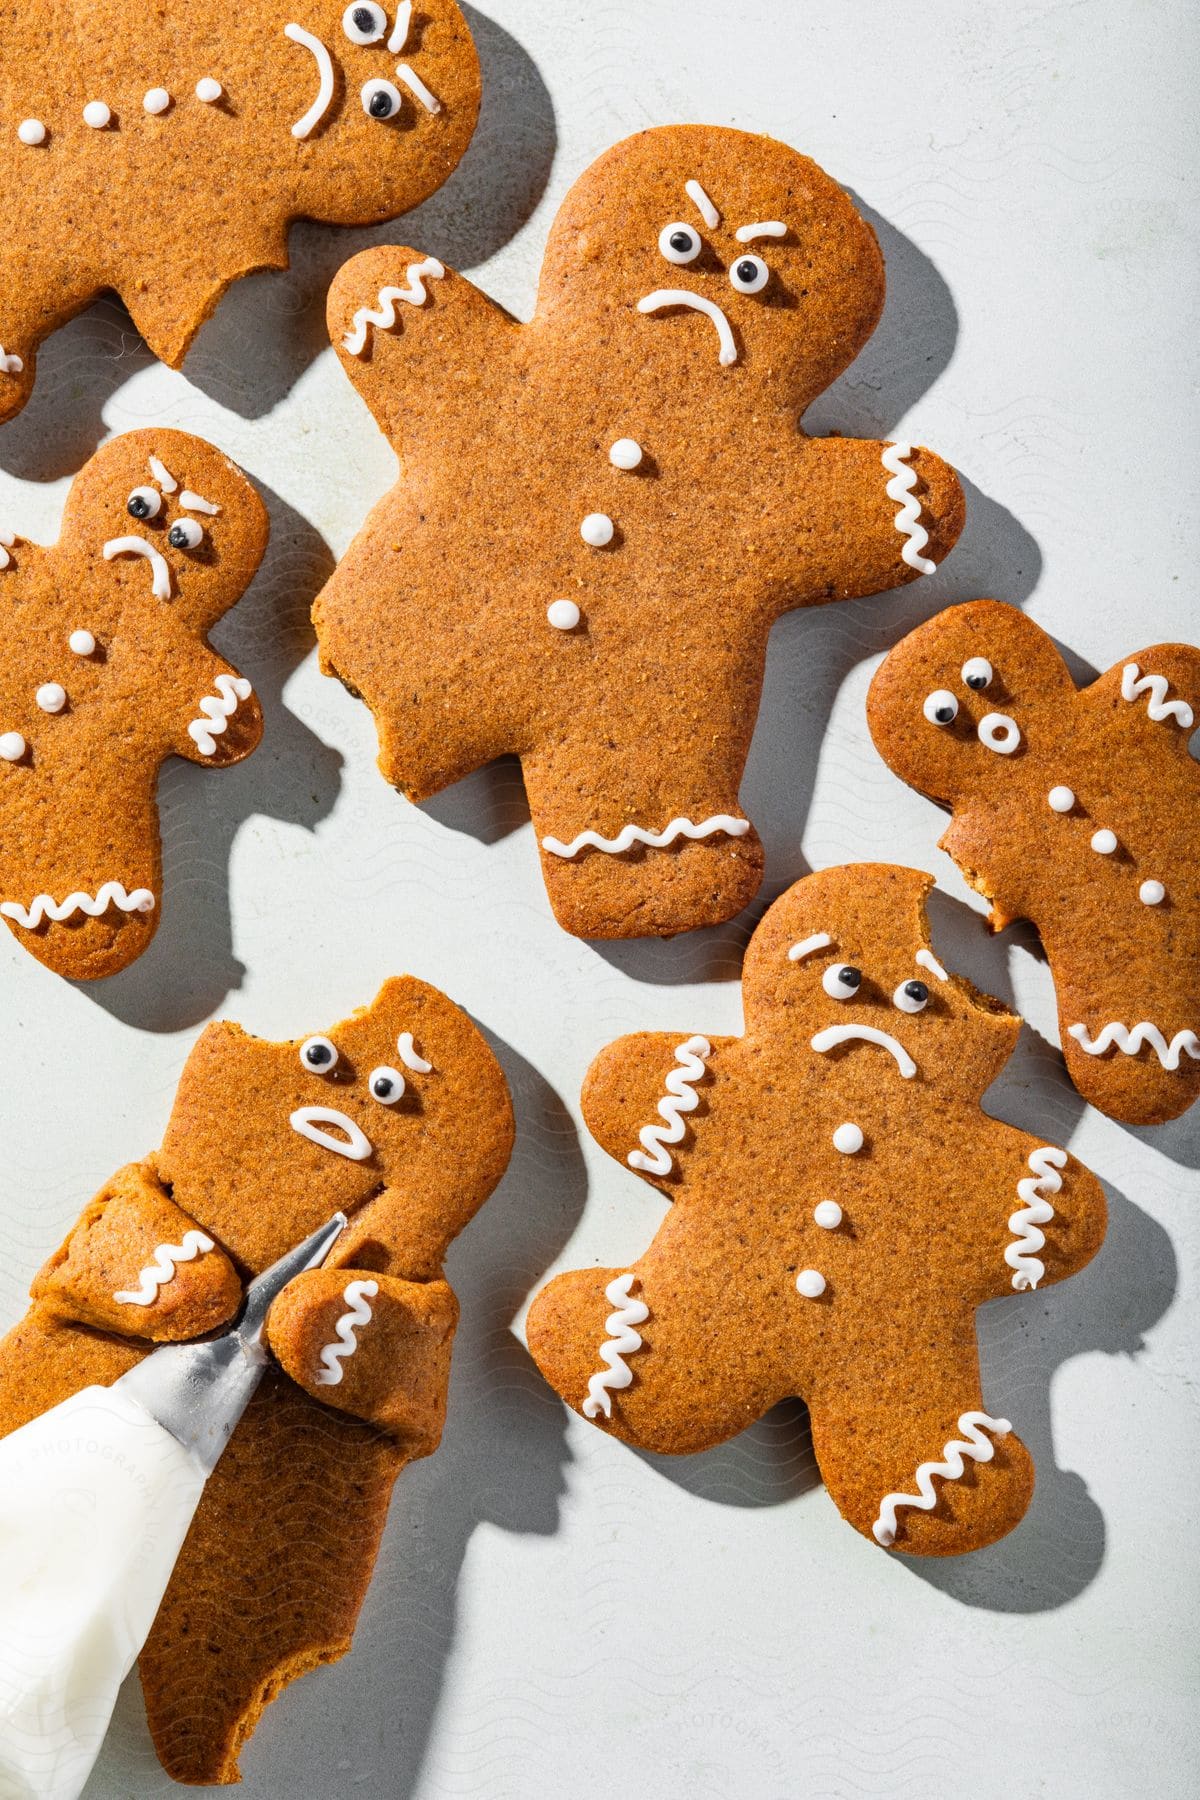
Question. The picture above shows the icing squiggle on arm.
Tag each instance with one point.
(324, 61)
(358, 1314)
(384, 315)
(681, 1098)
(1035, 1211)
(1159, 707)
(908, 519)
(216, 711)
(1130, 1042)
(156, 1274)
(973, 1444)
(623, 1341)
(629, 835)
(10, 363)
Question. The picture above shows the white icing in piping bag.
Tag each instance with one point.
(96, 1497)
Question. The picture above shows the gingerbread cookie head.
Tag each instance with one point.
(841, 1205)
(1077, 810)
(104, 672)
(732, 263)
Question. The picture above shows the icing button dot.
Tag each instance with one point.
(97, 114)
(1061, 799)
(1152, 893)
(31, 131)
(564, 615)
(827, 1214)
(848, 1138)
(626, 453)
(82, 643)
(208, 90)
(51, 697)
(157, 100)
(810, 1283)
(12, 746)
(597, 530)
(1104, 842)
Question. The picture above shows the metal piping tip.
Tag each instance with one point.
(264, 1289)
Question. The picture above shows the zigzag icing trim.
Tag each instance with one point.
(681, 1098)
(7, 540)
(1035, 1211)
(10, 362)
(623, 1340)
(216, 710)
(384, 315)
(157, 1273)
(45, 907)
(1131, 1041)
(357, 1314)
(973, 1445)
(908, 520)
(629, 835)
(1159, 707)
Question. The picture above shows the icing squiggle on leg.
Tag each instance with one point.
(908, 519)
(157, 1273)
(43, 906)
(973, 1445)
(623, 1340)
(1035, 1211)
(357, 1314)
(681, 1098)
(629, 835)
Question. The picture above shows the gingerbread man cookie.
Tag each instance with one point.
(842, 1204)
(601, 513)
(162, 152)
(399, 1117)
(1079, 811)
(105, 671)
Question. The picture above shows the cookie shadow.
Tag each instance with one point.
(768, 1463)
(480, 208)
(80, 368)
(292, 777)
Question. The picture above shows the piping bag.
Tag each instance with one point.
(96, 1497)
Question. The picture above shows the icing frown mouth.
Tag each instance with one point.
(308, 1121)
(650, 303)
(834, 1035)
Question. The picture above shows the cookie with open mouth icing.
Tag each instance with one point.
(841, 1206)
(105, 671)
(1078, 810)
(398, 1117)
(189, 137)
(601, 513)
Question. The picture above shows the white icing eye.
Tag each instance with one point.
(380, 99)
(364, 23)
(911, 996)
(144, 503)
(185, 534)
(319, 1055)
(841, 981)
(749, 275)
(679, 243)
(386, 1085)
(977, 672)
(941, 708)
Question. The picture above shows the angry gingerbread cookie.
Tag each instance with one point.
(1079, 811)
(841, 1206)
(105, 671)
(400, 1118)
(162, 152)
(601, 513)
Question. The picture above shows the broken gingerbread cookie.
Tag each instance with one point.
(841, 1206)
(600, 514)
(189, 138)
(105, 671)
(400, 1118)
(1079, 810)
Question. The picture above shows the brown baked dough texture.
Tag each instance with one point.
(168, 208)
(637, 717)
(105, 671)
(274, 1569)
(1120, 922)
(897, 1242)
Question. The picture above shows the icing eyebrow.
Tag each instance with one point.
(746, 234)
(417, 88)
(820, 940)
(195, 503)
(927, 960)
(163, 476)
(399, 36)
(702, 203)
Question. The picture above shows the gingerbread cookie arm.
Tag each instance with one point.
(223, 722)
(888, 513)
(645, 1096)
(1056, 1209)
(1162, 684)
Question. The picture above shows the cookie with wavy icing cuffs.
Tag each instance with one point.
(189, 137)
(601, 513)
(841, 1206)
(399, 1117)
(105, 671)
(1078, 810)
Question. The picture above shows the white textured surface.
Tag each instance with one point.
(553, 1614)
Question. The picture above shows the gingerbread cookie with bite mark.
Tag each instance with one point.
(163, 152)
(399, 1117)
(600, 514)
(105, 671)
(841, 1206)
(1078, 810)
